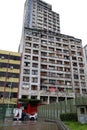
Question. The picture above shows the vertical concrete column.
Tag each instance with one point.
(48, 100)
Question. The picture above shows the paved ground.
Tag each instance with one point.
(27, 125)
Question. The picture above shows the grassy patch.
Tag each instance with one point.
(75, 125)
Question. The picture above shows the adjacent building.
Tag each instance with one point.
(85, 59)
(9, 76)
(52, 66)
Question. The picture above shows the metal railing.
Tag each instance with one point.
(53, 111)
(6, 112)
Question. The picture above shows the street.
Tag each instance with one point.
(27, 125)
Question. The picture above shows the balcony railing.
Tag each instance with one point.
(59, 94)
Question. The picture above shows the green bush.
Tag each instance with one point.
(68, 117)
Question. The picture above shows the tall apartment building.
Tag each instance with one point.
(52, 63)
(39, 15)
(9, 76)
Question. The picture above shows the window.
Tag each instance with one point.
(26, 64)
(27, 57)
(26, 71)
(35, 80)
(75, 76)
(28, 44)
(28, 38)
(73, 58)
(34, 72)
(34, 87)
(35, 65)
(27, 50)
(35, 58)
(25, 86)
(52, 81)
(35, 52)
(74, 64)
(82, 110)
(26, 79)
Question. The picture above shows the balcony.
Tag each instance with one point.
(35, 58)
(36, 46)
(59, 56)
(35, 52)
(43, 42)
(43, 48)
(48, 93)
(52, 61)
(12, 101)
(35, 39)
(27, 44)
(28, 38)
(72, 47)
(81, 65)
(82, 78)
(65, 46)
(43, 36)
(66, 51)
(58, 39)
(44, 60)
(70, 95)
(65, 41)
(27, 51)
(66, 63)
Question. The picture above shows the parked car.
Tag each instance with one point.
(25, 116)
(33, 117)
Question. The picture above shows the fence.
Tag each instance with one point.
(6, 111)
(53, 111)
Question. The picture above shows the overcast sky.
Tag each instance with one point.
(73, 20)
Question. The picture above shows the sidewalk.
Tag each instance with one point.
(10, 122)
(27, 125)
